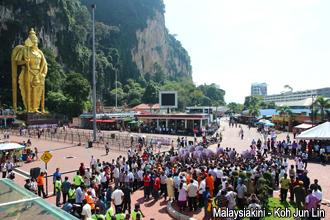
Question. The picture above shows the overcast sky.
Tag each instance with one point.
(237, 42)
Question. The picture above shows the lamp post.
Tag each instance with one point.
(116, 88)
(94, 78)
(313, 96)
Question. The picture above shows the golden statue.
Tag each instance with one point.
(32, 77)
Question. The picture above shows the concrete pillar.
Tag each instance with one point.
(157, 123)
(201, 123)
(166, 125)
(185, 123)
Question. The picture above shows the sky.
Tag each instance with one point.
(234, 43)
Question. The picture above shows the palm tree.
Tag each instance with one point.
(254, 110)
(322, 104)
(284, 111)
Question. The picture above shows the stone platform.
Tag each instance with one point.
(38, 119)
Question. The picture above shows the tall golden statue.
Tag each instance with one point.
(32, 77)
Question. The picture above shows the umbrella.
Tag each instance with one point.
(269, 124)
(265, 122)
(10, 146)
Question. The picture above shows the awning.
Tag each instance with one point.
(10, 146)
(103, 120)
(304, 126)
(16, 202)
(320, 132)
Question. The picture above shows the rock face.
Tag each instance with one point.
(131, 39)
(156, 49)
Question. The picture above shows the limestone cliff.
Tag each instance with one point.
(156, 49)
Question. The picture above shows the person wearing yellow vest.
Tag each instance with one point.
(137, 211)
(97, 215)
(72, 194)
(109, 213)
(77, 179)
(58, 187)
(120, 215)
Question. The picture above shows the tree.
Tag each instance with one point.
(55, 75)
(56, 102)
(121, 96)
(285, 111)
(254, 110)
(214, 93)
(251, 100)
(235, 107)
(76, 87)
(267, 105)
(322, 104)
(151, 93)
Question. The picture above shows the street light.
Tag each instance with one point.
(116, 88)
(94, 78)
(313, 96)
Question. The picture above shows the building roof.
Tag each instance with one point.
(18, 203)
(144, 106)
(270, 112)
(303, 103)
(320, 132)
(174, 116)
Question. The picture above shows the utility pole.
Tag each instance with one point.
(94, 78)
(116, 72)
(313, 114)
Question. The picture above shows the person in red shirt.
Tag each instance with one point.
(146, 186)
(156, 187)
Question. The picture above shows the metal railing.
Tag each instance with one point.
(116, 141)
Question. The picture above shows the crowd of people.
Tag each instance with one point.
(193, 177)
(9, 159)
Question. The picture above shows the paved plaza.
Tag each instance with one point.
(68, 157)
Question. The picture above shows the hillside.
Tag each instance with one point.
(131, 39)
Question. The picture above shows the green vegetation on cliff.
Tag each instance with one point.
(64, 30)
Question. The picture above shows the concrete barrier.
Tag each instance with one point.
(175, 214)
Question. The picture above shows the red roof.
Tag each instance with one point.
(144, 106)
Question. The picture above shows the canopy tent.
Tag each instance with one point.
(269, 124)
(10, 146)
(320, 132)
(135, 122)
(304, 126)
(265, 122)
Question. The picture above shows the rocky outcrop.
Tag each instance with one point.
(157, 49)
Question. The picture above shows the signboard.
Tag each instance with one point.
(46, 156)
(168, 99)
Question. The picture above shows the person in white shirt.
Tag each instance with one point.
(116, 175)
(130, 177)
(117, 198)
(140, 176)
(300, 166)
(192, 190)
(254, 205)
(93, 163)
(86, 212)
(322, 155)
(231, 196)
(317, 193)
(201, 189)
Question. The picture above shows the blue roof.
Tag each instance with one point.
(270, 112)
